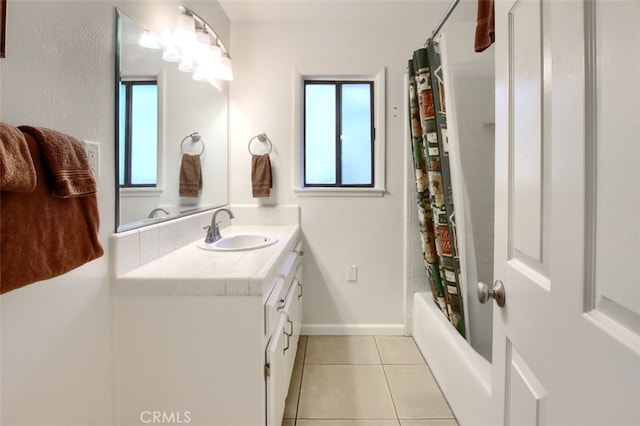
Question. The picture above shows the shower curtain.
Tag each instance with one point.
(436, 212)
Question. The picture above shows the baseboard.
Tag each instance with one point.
(353, 330)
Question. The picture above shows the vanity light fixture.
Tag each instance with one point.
(195, 46)
(184, 36)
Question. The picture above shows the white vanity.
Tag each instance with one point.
(207, 337)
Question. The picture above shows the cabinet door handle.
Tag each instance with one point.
(288, 335)
(299, 285)
(283, 303)
(291, 332)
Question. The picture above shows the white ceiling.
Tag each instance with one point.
(330, 10)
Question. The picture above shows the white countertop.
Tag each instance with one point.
(192, 271)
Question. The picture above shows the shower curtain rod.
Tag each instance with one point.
(443, 20)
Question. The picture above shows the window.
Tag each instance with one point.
(338, 133)
(339, 149)
(138, 134)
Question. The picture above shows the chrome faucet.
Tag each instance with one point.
(213, 231)
(154, 212)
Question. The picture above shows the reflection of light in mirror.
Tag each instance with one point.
(148, 40)
(191, 45)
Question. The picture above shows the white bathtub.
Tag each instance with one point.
(463, 375)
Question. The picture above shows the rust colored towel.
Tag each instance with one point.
(42, 236)
(190, 175)
(17, 173)
(261, 180)
(485, 27)
(66, 161)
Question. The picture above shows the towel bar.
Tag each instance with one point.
(195, 136)
(262, 137)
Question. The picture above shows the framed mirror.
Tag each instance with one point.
(162, 116)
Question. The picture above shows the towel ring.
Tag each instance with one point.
(262, 137)
(195, 136)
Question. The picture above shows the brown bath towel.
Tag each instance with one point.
(17, 173)
(66, 160)
(190, 175)
(261, 180)
(485, 26)
(42, 236)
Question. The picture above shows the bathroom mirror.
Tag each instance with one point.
(182, 107)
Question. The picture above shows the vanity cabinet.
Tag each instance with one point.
(208, 359)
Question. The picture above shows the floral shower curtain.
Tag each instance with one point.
(433, 182)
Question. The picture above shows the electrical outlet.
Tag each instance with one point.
(93, 154)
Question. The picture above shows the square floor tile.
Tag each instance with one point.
(344, 392)
(415, 392)
(398, 350)
(347, 423)
(342, 350)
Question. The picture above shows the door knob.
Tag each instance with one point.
(496, 293)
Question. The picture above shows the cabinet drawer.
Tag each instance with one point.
(291, 314)
(290, 265)
(273, 307)
(277, 299)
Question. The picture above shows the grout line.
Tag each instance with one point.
(384, 371)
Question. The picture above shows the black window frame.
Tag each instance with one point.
(128, 139)
(338, 90)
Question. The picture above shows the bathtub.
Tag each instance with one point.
(463, 375)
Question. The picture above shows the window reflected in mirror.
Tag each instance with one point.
(138, 133)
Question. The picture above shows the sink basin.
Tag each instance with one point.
(237, 242)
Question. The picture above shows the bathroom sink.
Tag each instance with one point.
(237, 242)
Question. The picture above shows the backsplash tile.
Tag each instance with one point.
(149, 242)
(125, 252)
(166, 239)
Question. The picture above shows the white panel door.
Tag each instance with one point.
(566, 346)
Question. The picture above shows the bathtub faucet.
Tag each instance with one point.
(213, 231)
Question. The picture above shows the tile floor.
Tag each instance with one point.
(363, 381)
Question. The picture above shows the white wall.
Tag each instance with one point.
(56, 354)
(367, 232)
(56, 348)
